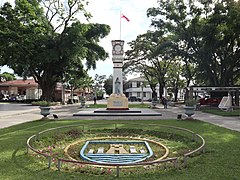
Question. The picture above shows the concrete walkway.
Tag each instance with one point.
(12, 117)
(232, 123)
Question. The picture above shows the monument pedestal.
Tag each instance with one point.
(117, 102)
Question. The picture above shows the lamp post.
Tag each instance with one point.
(71, 85)
(142, 86)
(63, 93)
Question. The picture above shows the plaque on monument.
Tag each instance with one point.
(117, 102)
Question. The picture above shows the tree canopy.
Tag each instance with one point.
(108, 85)
(194, 40)
(152, 56)
(206, 35)
(7, 77)
(43, 39)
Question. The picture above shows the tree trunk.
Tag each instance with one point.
(71, 101)
(154, 95)
(48, 89)
(186, 94)
(175, 94)
(161, 90)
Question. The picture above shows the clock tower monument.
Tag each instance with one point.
(117, 100)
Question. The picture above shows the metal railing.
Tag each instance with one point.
(174, 160)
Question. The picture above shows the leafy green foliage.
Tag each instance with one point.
(7, 77)
(43, 103)
(108, 85)
(235, 112)
(98, 85)
(205, 37)
(97, 106)
(151, 55)
(191, 102)
(77, 80)
(33, 44)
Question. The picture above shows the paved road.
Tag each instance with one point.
(12, 114)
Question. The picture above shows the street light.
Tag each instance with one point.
(142, 86)
(63, 93)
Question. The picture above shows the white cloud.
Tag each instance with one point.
(108, 12)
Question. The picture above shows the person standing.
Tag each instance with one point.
(164, 102)
(95, 100)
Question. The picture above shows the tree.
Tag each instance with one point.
(174, 80)
(76, 80)
(151, 55)
(43, 39)
(152, 80)
(108, 85)
(205, 35)
(220, 51)
(98, 85)
(7, 77)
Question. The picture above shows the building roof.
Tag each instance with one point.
(215, 88)
(19, 82)
(141, 79)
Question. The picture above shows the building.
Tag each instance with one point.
(24, 89)
(29, 90)
(138, 87)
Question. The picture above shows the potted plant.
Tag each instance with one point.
(44, 107)
(154, 103)
(189, 107)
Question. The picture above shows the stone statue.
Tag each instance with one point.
(117, 86)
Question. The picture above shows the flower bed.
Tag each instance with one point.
(182, 143)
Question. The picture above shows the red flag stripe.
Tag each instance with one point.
(125, 17)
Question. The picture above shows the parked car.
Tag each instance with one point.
(13, 98)
(75, 98)
(150, 99)
(134, 98)
(5, 97)
(214, 101)
(21, 97)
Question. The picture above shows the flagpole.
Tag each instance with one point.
(120, 31)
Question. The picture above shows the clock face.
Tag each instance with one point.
(118, 47)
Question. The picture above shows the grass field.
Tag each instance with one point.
(235, 112)
(221, 160)
(137, 105)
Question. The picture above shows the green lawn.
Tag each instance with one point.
(137, 105)
(235, 112)
(221, 160)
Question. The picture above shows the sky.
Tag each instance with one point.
(108, 12)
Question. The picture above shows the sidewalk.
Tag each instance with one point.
(232, 123)
(13, 117)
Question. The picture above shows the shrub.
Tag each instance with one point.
(191, 102)
(42, 103)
